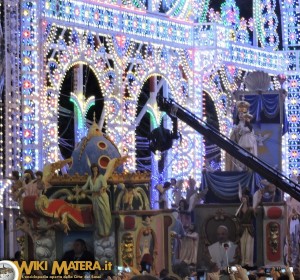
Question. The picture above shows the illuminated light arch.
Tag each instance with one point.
(39, 101)
(57, 69)
(240, 53)
(210, 86)
(163, 70)
(82, 107)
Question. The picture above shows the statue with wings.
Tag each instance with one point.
(132, 197)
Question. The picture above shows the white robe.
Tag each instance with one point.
(189, 248)
(220, 256)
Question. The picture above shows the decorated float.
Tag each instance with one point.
(63, 212)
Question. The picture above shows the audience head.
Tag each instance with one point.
(15, 174)
(28, 173)
(173, 182)
(39, 175)
(283, 277)
(18, 255)
(28, 176)
(182, 269)
(163, 273)
(183, 205)
(167, 185)
(251, 277)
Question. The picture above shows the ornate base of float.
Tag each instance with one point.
(270, 230)
(139, 232)
(274, 229)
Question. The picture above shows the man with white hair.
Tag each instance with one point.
(223, 252)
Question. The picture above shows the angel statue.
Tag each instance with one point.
(96, 186)
(246, 215)
(132, 198)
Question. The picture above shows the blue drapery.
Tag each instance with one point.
(224, 186)
(269, 105)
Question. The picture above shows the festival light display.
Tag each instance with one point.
(124, 46)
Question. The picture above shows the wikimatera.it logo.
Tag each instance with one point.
(15, 271)
(8, 271)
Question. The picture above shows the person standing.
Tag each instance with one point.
(17, 186)
(246, 215)
(30, 186)
(177, 233)
(183, 215)
(189, 246)
(165, 195)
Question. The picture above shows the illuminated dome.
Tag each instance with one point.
(95, 148)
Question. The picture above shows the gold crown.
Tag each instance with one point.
(243, 106)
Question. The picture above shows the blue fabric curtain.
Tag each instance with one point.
(223, 186)
(266, 103)
(269, 105)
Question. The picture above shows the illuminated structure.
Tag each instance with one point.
(194, 47)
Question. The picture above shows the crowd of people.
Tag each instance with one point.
(30, 184)
(173, 195)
